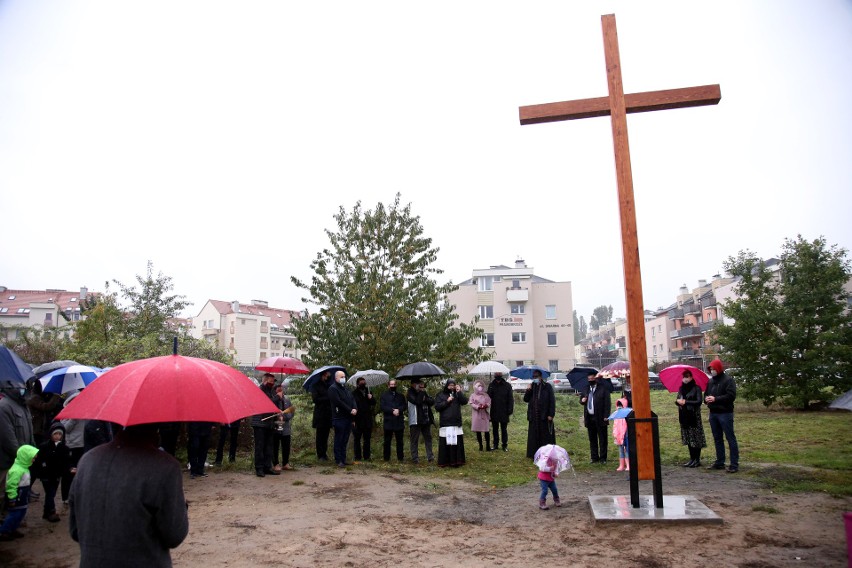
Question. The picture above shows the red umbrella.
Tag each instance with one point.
(283, 365)
(169, 389)
(671, 377)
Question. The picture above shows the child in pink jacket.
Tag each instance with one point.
(619, 432)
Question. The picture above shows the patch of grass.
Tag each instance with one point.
(788, 450)
(765, 509)
(298, 482)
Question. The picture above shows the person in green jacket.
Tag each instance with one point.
(18, 483)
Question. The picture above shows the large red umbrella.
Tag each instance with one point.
(671, 377)
(283, 365)
(169, 389)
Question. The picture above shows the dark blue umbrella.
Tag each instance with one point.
(526, 372)
(579, 377)
(13, 371)
(314, 377)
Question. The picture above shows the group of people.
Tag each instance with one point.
(346, 412)
(719, 397)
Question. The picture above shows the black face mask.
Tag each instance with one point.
(362, 387)
(392, 389)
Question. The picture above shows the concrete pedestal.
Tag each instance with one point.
(677, 509)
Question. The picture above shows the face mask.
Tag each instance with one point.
(479, 388)
(362, 387)
(687, 379)
(392, 389)
(22, 391)
(341, 380)
(712, 373)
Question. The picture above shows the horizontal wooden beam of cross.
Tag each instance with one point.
(635, 102)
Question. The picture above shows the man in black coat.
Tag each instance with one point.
(393, 406)
(343, 414)
(597, 406)
(502, 407)
(364, 402)
(322, 415)
(541, 408)
(420, 419)
(262, 424)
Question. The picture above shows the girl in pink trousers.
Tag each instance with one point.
(619, 432)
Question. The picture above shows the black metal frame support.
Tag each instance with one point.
(634, 469)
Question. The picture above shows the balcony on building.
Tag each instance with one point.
(691, 308)
(676, 314)
(686, 354)
(517, 294)
(708, 302)
(707, 325)
(691, 331)
(209, 332)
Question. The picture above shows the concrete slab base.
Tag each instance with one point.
(676, 509)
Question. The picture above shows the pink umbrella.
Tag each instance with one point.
(671, 377)
(617, 366)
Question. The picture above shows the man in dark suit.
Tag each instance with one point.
(597, 407)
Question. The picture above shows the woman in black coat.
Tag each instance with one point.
(448, 403)
(689, 400)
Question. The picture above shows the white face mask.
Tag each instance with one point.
(713, 372)
(341, 380)
(478, 388)
(687, 379)
(22, 391)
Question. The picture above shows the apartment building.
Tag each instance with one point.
(252, 332)
(52, 308)
(525, 319)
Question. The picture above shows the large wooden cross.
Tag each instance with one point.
(617, 105)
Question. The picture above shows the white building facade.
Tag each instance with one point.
(525, 319)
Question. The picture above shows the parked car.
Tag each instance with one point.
(559, 382)
(519, 385)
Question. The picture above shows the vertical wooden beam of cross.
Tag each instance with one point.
(618, 105)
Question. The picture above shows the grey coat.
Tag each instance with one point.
(127, 505)
(16, 429)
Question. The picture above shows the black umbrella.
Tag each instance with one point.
(420, 370)
(44, 369)
(579, 378)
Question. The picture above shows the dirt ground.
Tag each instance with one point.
(321, 516)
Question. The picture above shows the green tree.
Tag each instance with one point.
(593, 323)
(584, 327)
(791, 339)
(603, 315)
(152, 305)
(37, 345)
(377, 302)
(577, 336)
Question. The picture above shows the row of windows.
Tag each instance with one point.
(487, 312)
(487, 339)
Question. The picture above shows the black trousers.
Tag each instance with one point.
(282, 443)
(197, 448)
(322, 441)
(262, 448)
(597, 440)
(502, 426)
(389, 434)
(227, 431)
(362, 443)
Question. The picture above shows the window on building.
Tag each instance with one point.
(519, 337)
(655, 349)
(660, 328)
(486, 312)
(553, 365)
(486, 283)
(550, 312)
(653, 332)
(487, 340)
(48, 317)
(516, 284)
(3, 310)
(519, 363)
(517, 308)
(551, 338)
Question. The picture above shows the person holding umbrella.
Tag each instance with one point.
(365, 402)
(689, 400)
(343, 415)
(597, 406)
(541, 408)
(448, 403)
(420, 419)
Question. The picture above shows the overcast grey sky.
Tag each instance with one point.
(218, 139)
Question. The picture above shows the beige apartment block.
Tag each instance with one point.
(52, 308)
(525, 319)
(251, 332)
